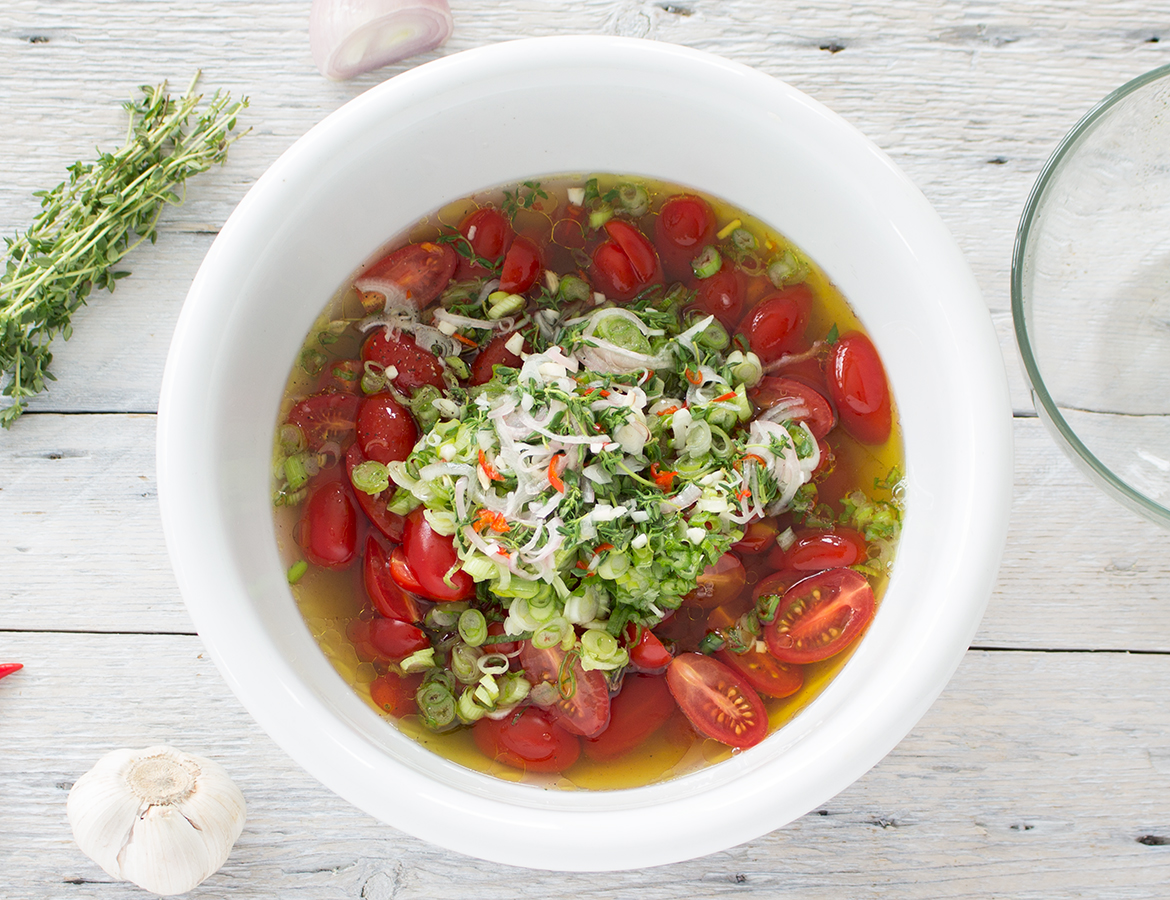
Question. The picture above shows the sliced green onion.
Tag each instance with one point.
(436, 705)
(551, 633)
(624, 333)
(442, 617)
(419, 661)
(468, 710)
(292, 439)
(573, 289)
(480, 568)
(634, 199)
(744, 239)
(787, 268)
(297, 571)
(504, 304)
(458, 366)
(707, 263)
(712, 642)
(600, 216)
(714, 336)
(403, 503)
(294, 471)
(422, 405)
(493, 664)
(600, 650)
(514, 687)
(313, 361)
(613, 566)
(487, 691)
(746, 368)
(464, 662)
(472, 627)
(370, 477)
(766, 607)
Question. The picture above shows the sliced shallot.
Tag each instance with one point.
(349, 37)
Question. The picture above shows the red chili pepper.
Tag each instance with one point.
(730, 395)
(488, 469)
(601, 548)
(668, 411)
(464, 340)
(554, 477)
(662, 479)
(587, 392)
(741, 494)
(9, 668)
(693, 377)
(582, 565)
(493, 520)
(758, 459)
(604, 393)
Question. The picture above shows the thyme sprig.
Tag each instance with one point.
(88, 223)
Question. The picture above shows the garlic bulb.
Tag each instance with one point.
(157, 817)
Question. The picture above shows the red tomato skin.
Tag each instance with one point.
(586, 712)
(527, 739)
(374, 505)
(384, 592)
(758, 537)
(402, 573)
(415, 366)
(637, 248)
(768, 676)
(777, 583)
(719, 584)
(826, 548)
(685, 225)
(341, 376)
(840, 599)
(819, 414)
(612, 273)
(720, 295)
(422, 270)
(495, 353)
(395, 639)
(394, 694)
(522, 264)
(495, 629)
(857, 384)
(717, 700)
(328, 532)
(647, 652)
(326, 417)
(430, 556)
(777, 323)
(386, 431)
(640, 709)
(492, 235)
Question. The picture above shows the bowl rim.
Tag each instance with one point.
(937, 649)
(1047, 409)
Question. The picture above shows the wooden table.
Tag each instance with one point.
(1042, 771)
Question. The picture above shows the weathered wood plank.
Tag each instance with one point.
(942, 817)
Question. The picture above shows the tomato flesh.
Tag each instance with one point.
(764, 672)
(328, 532)
(820, 616)
(811, 406)
(527, 739)
(647, 652)
(422, 271)
(402, 573)
(758, 536)
(721, 295)
(719, 584)
(431, 556)
(857, 384)
(582, 700)
(326, 417)
(640, 709)
(415, 365)
(384, 592)
(717, 700)
(831, 548)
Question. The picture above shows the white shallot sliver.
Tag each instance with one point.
(349, 37)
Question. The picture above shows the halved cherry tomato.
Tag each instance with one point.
(495, 353)
(814, 408)
(341, 375)
(777, 323)
(394, 693)
(777, 583)
(431, 556)
(857, 384)
(488, 231)
(384, 592)
(395, 639)
(826, 548)
(402, 573)
(717, 700)
(326, 417)
(647, 653)
(720, 295)
(642, 707)
(758, 536)
(719, 583)
(374, 505)
(626, 263)
(636, 247)
(765, 673)
(582, 704)
(328, 531)
(386, 431)
(421, 270)
(415, 365)
(685, 225)
(820, 616)
(527, 739)
(522, 264)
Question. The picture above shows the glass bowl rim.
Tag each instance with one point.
(1049, 411)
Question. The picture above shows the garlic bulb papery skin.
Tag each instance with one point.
(158, 817)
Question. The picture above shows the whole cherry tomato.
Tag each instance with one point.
(488, 231)
(720, 295)
(394, 693)
(758, 536)
(857, 384)
(820, 616)
(415, 365)
(495, 353)
(522, 264)
(431, 556)
(341, 375)
(328, 531)
(640, 709)
(776, 324)
(386, 431)
(717, 700)
(685, 225)
(527, 739)
(421, 270)
(626, 263)
(826, 548)
(402, 573)
(647, 652)
(395, 639)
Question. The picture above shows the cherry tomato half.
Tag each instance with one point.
(642, 707)
(421, 270)
(777, 323)
(758, 536)
(341, 375)
(328, 531)
(764, 672)
(820, 616)
(685, 225)
(394, 693)
(717, 700)
(522, 264)
(395, 639)
(527, 739)
(386, 431)
(626, 263)
(582, 704)
(719, 584)
(720, 295)
(495, 353)
(431, 556)
(326, 417)
(374, 505)
(812, 408)
(488, 231)
(857, 384)
(647, 652)
(826, 548)
(402, 573)
(384, 592)
(415, 365)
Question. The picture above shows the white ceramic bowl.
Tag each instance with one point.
(551, 106)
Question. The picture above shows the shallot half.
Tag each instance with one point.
(349, 37)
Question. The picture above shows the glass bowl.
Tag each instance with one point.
(1091, 294)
